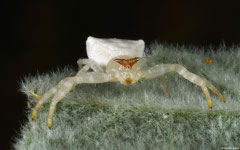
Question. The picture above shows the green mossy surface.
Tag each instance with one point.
(113, 116)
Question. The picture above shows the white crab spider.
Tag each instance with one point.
(115, 60)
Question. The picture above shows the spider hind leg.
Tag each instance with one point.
(164, 86)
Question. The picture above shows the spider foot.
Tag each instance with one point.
(210, 104)
(36, 96)
(222, 98)
(34, 114)
(49, 123)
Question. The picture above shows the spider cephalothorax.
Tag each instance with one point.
(115, 60)
(126, 71)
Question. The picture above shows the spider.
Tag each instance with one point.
(116, 60)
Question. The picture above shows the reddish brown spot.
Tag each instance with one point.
(206, 60)
(129, 80)
(127, 63)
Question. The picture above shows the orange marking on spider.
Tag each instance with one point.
(127, 63)
(129, 80)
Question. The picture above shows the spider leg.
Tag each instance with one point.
(69, 83)
(211, 87)
(207, 95)
(89, 64)
(202, 82)
(84, 69)
(164, 86)
(41, 101)
(36, 96)
(162, 69)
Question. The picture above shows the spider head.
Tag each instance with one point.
(126, 74)
(127, 63)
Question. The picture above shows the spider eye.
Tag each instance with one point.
(127, 63)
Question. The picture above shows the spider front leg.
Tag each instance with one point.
(162, 69)
(144, 62)
(65, 87)
(42, 99)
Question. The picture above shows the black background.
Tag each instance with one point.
(39, 36)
